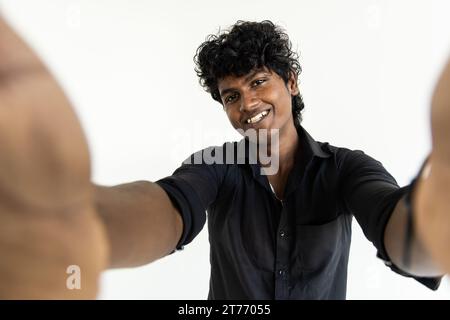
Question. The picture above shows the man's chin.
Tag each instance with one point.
(263, 137)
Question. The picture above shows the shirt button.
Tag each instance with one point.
(282, 234)
(281, 272)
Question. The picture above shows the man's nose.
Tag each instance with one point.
(249, 102)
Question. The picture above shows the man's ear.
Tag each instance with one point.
(292, 84)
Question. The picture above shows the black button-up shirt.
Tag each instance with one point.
(298, 248)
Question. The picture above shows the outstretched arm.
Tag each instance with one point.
(429, 246)
(141, 223)
(51, 216)
(432, 201)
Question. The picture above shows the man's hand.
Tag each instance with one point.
(432, 200)
(47, 217)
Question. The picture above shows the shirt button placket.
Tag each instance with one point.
(282, 266)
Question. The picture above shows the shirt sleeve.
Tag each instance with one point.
(192, 188)
(370, 193)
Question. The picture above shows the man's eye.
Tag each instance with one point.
(231, 98)
(258, 82)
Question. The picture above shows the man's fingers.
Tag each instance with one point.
(440, 117)
(47, 218)
(15, 55)
(47, 152)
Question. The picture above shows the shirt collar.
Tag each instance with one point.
(311, 144)
(306, 141)
(307, 150)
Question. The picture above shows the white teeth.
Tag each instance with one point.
(258, 117)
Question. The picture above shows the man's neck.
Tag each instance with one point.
(287, 147)
(286, 151)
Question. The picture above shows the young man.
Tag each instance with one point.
(283, 235)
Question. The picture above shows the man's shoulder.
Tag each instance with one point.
(227, 153)
(339, 151)
(347, 156)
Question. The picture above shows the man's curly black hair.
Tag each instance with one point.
(248, 46)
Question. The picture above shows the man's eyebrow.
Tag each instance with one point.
(252, 74)
(248, 78)
(227, 90)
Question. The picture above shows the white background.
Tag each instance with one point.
(369, 68)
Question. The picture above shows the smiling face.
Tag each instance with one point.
(259, 100)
